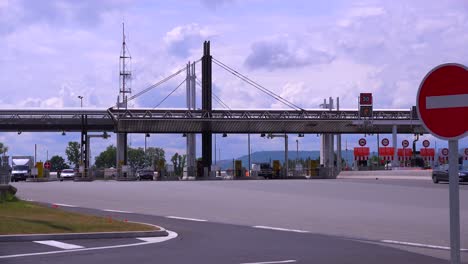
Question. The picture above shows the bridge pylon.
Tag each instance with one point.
(207, 135)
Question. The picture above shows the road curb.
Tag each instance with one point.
(99, 235)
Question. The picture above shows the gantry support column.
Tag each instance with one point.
(394, 141)
(323, 150)
(121, 151)
(206, 108)
(326, 155)
(191, 137)
(338, 152)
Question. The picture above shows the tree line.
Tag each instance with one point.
(137, 158)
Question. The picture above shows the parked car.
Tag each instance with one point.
(67, 174)
(145, 174)
(441, 173)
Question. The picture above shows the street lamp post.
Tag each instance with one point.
(83, 133)
(297, 151)
(81, 100)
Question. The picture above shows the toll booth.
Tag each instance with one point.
(313, 168)
(361, 156)
(161, 166)
(40, 169)
(276, 169)
(238, 169)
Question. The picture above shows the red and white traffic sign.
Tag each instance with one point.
(47, 165)
(385, 142)
(362, 142)
(405, 143)
(426, 143)
(442, 101)
(445, 152)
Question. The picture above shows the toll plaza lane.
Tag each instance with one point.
(406, 211)
(205, 242)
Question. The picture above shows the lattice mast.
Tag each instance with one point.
(125, 73)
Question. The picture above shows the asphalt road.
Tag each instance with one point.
(214, 243)
(371, 214)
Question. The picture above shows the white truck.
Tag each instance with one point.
(21, 167)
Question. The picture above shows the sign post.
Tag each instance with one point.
(441, 101)
(404, 144)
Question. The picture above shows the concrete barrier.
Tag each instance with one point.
(415, 174)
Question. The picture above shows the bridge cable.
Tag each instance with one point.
(162, 101)
(215, 97)
(256, 85)
(156, 84)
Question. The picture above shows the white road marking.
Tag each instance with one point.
(170, 236)
(281, 229)
(64, 205)
(447, 101)
(159, 239)
(58, 244)
(117, 211)
(417, 244)
(272, 262)
(185, 218)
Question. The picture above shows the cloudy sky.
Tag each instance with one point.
(55, 50)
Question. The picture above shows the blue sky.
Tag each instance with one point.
(305, 51)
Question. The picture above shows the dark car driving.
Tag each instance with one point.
(145, 174)
(441, 173)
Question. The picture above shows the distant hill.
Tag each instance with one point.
(269, 156)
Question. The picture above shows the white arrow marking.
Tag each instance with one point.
(58, 244)
(171, 235)
(447, 101)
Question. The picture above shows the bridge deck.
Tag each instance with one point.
(217, 121)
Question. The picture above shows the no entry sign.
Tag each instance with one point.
(442, 105)
(362, 142)
(405, 143)
(426, 143)
(385, 142)
(445, 151)
(47, 165)
(442, 101)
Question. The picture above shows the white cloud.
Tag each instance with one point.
(181, 39)
(285, 52)
(366, 11)
(214, 4)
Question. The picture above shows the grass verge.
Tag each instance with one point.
(21, 217)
